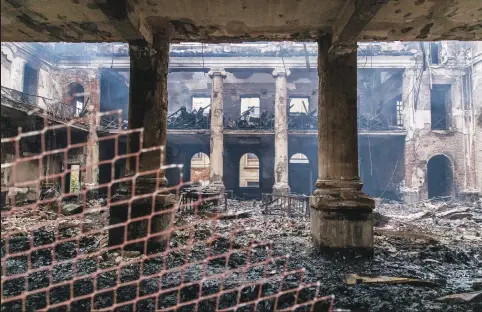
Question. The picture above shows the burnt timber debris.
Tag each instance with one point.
(183, 119)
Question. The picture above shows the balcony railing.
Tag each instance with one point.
(51, 107)
(183, 119)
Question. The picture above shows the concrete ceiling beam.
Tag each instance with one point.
(352, 20)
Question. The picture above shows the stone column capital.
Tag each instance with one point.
(217, 72)
(281, 72)
(19, 60)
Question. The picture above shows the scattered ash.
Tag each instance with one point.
(436, 241)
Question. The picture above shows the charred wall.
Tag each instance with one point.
(381, 163)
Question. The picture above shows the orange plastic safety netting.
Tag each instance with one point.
(64, 249)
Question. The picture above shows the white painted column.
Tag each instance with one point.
(281, 133)
(17, 74)
(217, 139)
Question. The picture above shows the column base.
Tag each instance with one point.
(281, 189)
(92, 191)
(411, 196)
(152, 221)
(341, 217)
(215, 187)
(469, 194)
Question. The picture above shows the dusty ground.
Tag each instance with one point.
(425, 241)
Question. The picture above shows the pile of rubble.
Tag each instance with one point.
(427, 256)
(449, 221)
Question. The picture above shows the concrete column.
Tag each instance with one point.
(411, 186)
(17, 74)
(476, 112)
(281, 160)
(148, 104)
(91, 178)
(341, 214)
(217, 139)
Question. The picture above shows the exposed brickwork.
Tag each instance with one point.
(88, 78)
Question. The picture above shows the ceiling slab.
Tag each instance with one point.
(426, 20)
(235, 21)
(61, 20)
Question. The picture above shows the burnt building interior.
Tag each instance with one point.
(248, 120)
(342, 110)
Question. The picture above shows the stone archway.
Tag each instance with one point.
(439, 177)
(200, 169)
(249, 171)
(76, 97)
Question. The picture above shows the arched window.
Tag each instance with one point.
(439, 176)
(299, 159)
(300, 170)
(249, 170)
(76, 96)
(200, 169)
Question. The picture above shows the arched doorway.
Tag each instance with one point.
(76, 96)
(439, 176)
(249, 171)
(200, 169)
(300, 176)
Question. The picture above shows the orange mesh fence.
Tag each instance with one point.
(126, 248)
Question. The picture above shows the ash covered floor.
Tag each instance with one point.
(436, 243)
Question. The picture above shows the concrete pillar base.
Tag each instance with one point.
(411, 196)
(342, 230)
(217, 186)
(141, 207)
(92, 191)
(281, 189)
(341, 216)
(469, 195)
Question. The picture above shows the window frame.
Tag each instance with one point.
(299, 97)
(248, 164)
(399, 106)
(204, 96)
(252, 181)
(250, 97)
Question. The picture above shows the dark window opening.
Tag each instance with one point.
(434, 52)
(114, 91)
(30, 82)
(299, 169)
(439, 176)
(440, 105)
(76, 94)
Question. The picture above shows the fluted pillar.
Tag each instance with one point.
(281, 160)
(217, 139)
(340, 212)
